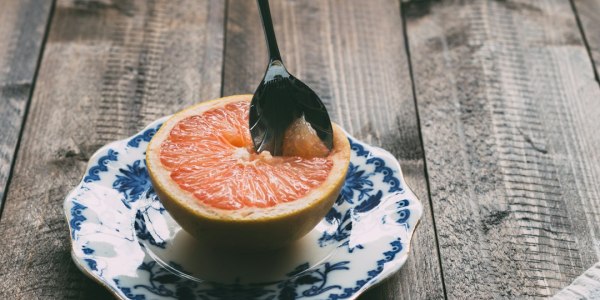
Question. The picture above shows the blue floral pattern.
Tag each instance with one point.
(372, 181)
(388, 256)
(387, 172)
(101, 166)
(357, 180)
(133, 181)
(76, 218)
(359, 191)
(145, 136)
(143, 233)
(127, 292)
(403, 211)
(87, 250)
(91, 263)
(358, 149)
(301, 282)
(342, 228)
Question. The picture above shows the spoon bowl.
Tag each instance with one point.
(281, 98)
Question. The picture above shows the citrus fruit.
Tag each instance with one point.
(205, 171)
(302, 140)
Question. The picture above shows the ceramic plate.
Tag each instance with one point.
(123, 237)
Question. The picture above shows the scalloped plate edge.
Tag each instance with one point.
(387, 272)
(92, 160)
(418, 205)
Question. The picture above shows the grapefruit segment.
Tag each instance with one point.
(206, 173)
(301, 139)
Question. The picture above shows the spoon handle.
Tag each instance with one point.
(265, 15)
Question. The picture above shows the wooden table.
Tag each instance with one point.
(492, 108)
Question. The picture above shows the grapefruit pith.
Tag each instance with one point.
(209, 178)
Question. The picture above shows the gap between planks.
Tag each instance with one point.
(414, 93)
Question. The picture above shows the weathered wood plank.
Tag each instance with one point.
(353, 56)
(22, 28)
(589, 15)
(109, 67)
(509, 116)
(586, 286)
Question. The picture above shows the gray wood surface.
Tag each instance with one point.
(22, 28)
(589, 17)
(507, 105)
(353, 56)
(509, 114)
(586, 286)
(109, 67)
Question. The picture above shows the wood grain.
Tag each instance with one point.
(509, 116)
(353, 56)
(588, 12)
(109, 67)
(22, 28)
(586, 286)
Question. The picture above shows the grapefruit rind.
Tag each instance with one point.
(247, 227)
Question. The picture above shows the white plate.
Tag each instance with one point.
(123, 238)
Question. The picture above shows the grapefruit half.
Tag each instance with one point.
(205, 171)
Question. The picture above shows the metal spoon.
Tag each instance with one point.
(281, 98)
